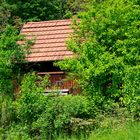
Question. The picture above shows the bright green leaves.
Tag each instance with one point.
(106, 44)
(32, 100)
(11, 54)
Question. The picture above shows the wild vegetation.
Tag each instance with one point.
(106, 44)
(106, 65)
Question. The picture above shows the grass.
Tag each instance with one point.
(110, 128)
(130, 131)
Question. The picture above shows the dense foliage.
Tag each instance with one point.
(35, 115)
(18, 11)
(106, 44)
(12, 55)
(106, 66)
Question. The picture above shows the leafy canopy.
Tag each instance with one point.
(106, 44)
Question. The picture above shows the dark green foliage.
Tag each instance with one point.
(4, 14)
(72, 7)
(18, 11)
(35, 10)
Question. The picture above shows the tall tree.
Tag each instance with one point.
(31, 10)
(106, 44)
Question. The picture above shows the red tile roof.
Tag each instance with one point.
(50, 38)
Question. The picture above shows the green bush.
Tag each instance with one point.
(15, 132)
(31, 102)
(57, 118)
(48, 116)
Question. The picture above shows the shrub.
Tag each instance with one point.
(31, 102)
(59, 113)
(47, 116)
(15, 132)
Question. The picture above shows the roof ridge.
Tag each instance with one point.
(49, 21)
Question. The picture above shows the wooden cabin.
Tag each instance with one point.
(49, 46)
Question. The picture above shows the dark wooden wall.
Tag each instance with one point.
(58, 78)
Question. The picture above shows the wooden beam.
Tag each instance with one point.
(55, 72)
